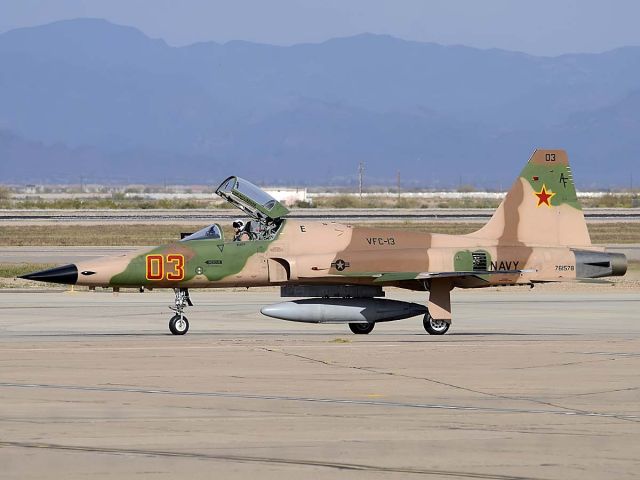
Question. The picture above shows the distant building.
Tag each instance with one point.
(288, 196)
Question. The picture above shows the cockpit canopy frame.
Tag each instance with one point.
(252, 200)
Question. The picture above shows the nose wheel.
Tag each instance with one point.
(179, 325)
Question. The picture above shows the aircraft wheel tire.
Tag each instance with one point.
(435, 327)
(361, 328)
(179, 325)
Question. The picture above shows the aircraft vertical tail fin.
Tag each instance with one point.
(542, 207)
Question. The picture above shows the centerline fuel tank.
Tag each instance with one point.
(343, 310)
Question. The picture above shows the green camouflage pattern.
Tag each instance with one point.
(537, 234)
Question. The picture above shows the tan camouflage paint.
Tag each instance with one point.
(529, 238)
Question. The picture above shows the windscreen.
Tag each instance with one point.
(212, 232)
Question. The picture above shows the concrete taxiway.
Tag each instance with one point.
(527, 385)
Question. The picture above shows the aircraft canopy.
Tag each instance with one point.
(251, 199)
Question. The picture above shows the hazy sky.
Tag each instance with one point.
(544, 27)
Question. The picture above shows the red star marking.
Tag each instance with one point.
(544, 196)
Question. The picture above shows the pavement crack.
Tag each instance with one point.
(601, 392)
(319, 400)
(566, 364)
(341, 466)
(445, 384)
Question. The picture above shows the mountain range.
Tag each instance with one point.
(88, 98)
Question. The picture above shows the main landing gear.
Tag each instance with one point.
(179, 325)
(433, 326)
(361, 328)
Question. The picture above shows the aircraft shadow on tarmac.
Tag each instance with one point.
(418, 337)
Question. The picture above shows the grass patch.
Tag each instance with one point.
(601, 233)
(350, 201)
(94, 235)
(619, 232)
(12, 270)
(145, 234)
(449, 228)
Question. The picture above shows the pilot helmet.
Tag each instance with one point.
(238, 223)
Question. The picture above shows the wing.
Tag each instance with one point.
(479, 274)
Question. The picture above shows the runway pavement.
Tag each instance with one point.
(528, 384)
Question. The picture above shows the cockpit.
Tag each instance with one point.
(265, 212)
(212, 232)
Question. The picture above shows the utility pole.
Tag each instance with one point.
(360, 175)
(398, 183)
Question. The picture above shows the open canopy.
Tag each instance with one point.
(251, 199)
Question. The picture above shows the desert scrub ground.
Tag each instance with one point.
(144, 234)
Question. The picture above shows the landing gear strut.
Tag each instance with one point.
(179, 325)
(433, 326)
(439, 306)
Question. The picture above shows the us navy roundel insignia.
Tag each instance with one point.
(340, 264)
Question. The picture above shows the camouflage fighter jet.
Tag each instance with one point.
(537, 234)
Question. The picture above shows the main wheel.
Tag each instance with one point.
(433, 326)
(179, 325)
(361, 328)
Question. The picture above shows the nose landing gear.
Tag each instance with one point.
(179, 325)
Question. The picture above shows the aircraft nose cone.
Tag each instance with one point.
(67, 274)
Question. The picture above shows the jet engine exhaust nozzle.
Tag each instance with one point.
(618, 264)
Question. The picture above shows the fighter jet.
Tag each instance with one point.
(332, 272)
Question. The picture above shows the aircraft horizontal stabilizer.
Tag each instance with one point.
(597, 281)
